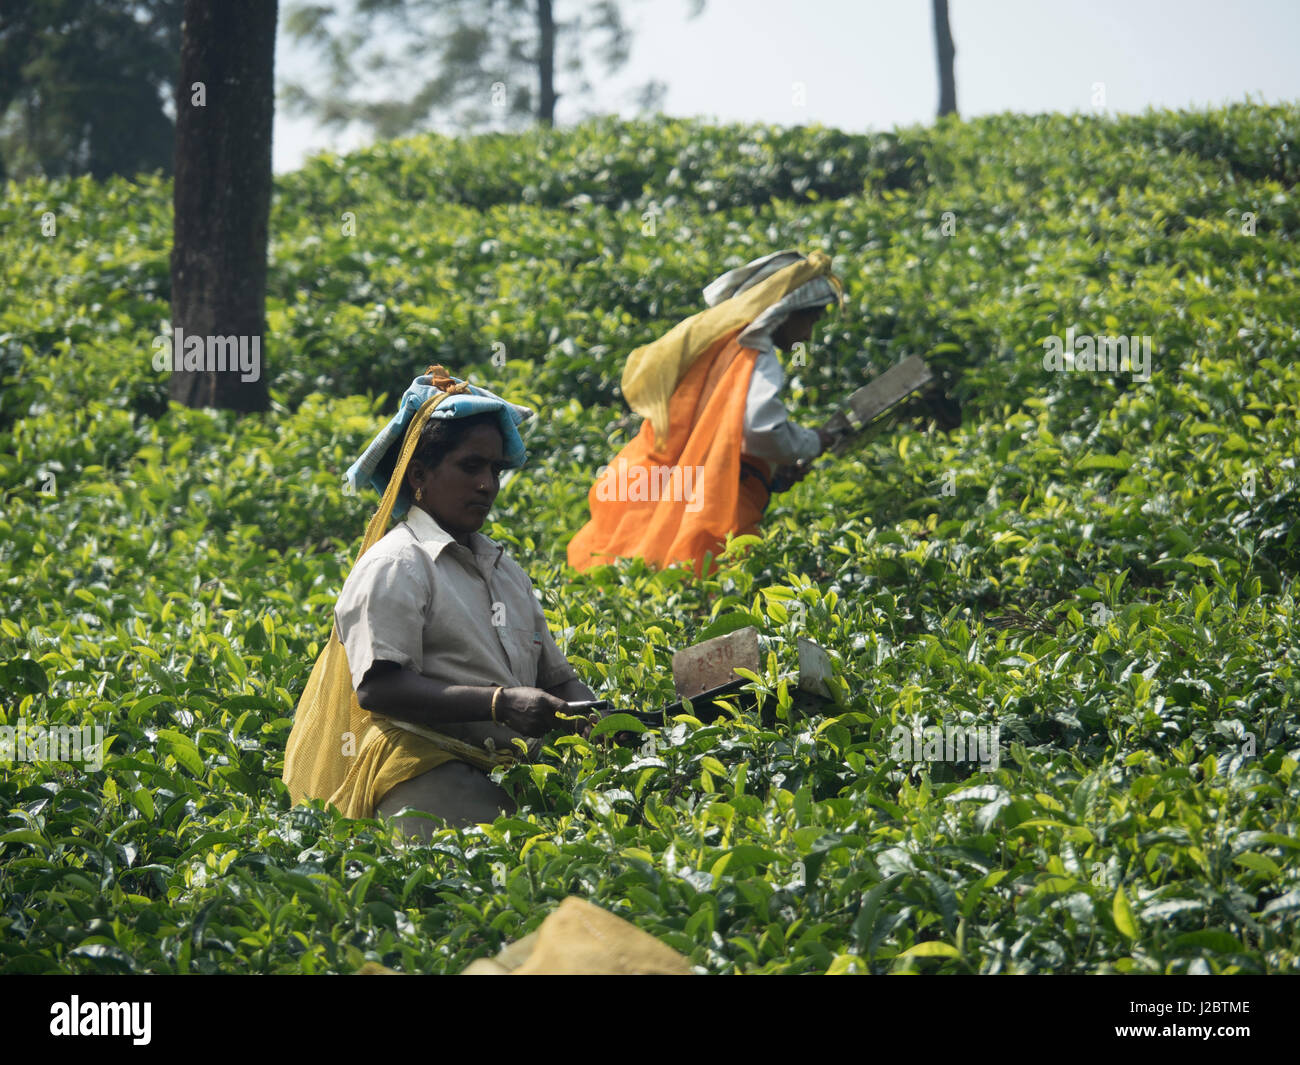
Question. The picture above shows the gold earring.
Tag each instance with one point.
(419, 495)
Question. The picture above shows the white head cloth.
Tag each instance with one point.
(816, 293)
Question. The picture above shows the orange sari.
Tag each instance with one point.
(678, 502)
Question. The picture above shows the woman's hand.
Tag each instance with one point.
(529, 711)
(786, 477)
(826, 439)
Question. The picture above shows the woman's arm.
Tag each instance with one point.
(768, 432)
(393, 691)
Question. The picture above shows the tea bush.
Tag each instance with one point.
(1103, 566)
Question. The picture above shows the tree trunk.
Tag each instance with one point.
(947, 53)
(546, 63)
(222, 202)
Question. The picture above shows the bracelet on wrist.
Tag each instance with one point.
(495, 695)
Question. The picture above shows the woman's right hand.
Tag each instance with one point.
(529, 711)
(826, 440)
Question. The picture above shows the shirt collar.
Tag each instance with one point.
(426, 530)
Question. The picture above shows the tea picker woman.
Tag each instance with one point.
(446, 645)
(716, 441)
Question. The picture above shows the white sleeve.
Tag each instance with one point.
(769, 433)
(380, 614)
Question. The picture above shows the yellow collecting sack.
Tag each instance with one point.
(346, 755)
(579, 939)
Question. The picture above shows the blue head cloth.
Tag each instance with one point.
(377, 462)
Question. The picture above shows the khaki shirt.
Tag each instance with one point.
(460, 616)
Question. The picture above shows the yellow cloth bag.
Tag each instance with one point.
(654, 370)
(577, 939)
(346, 755)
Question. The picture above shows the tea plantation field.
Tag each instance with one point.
(1101, 564)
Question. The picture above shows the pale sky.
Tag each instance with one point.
(869, 65)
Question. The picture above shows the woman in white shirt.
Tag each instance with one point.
(445, 638)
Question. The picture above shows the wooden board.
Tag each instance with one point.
(876, 398)
(709, 664)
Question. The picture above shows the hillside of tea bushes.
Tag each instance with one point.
(1103, 566)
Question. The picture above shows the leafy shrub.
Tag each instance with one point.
(1104, 567)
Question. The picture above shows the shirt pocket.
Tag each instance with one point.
(524, 650)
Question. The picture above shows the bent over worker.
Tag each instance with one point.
(716, 434)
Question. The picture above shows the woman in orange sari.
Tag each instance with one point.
(716, 433)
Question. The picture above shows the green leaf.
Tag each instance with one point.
(1208, 939)
(931, 949)
(1123, 913)
(143, 799)
(712, 765)
(618, 723)
(746, 856)
(730, 622)
(26, 835)
(1261, 863)
(1122, 461)
(183, 749)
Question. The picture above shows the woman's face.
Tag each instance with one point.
(797, 328)
(460, 490)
